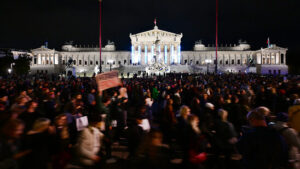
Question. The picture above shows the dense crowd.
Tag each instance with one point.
(178, 120)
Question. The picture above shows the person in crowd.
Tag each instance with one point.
(62, 153)
(10, 151)
(169, 121)
(225, 139)
(152, 153)
(290, 135)
(135, 135)
(30, 115)
(196, 145)
(262, 147)
(89, 144)
(294, 115)
(39, 140)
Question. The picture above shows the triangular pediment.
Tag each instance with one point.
(275, 47)
(42, 48)
(156, 31)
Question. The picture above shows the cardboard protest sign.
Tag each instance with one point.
(107, 80)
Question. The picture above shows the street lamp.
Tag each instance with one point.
(207, 61)
(9, 71)
(110, 64)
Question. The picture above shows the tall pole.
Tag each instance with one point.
(216, 68)
(100, 32)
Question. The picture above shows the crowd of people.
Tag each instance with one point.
(200, 121)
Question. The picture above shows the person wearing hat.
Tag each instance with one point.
(294, 115)
(290, 135)
(261, 146)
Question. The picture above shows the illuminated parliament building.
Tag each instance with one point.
(157, 52)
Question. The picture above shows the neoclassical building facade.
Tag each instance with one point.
(158, 51)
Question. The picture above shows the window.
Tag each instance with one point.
(282, 58)
(114, 62)
(124, 62)
(74, 61)
(130, 61)
(63, 62)
(47, 62)
(221, 62)
(232, 61)
(238, 61)
(34, 60)
(191, 61)
(119, 62)
(185, 61)
(91, 62)
(79, 62)
(226, 62)
(197, 62)
(97, 62)
(85, 62)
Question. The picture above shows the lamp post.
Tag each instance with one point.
(207, 61)
(110, 64)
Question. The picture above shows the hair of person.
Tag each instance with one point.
(221, 113)
(183, 110)
(255, 114)
(40, 123)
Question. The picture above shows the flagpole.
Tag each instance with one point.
(100, 32)
(216, 67)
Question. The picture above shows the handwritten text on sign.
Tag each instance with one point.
(107, 80)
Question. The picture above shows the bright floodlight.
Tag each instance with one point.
(208, 60)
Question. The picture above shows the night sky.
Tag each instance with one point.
(27, 24)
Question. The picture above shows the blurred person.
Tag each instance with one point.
(10, 152)
(196, 145)
(152, 153)
(30, 115)
(89, 143)
(225, 139)
(294, 115)
(262, 147)
(62, 141)
(290, 135)
(39, 140)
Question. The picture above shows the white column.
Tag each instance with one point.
(146, 55)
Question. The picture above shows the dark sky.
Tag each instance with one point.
(26, 24)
